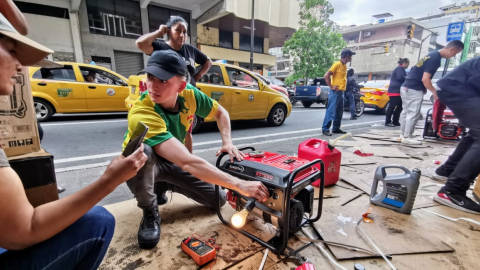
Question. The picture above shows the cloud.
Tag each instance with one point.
(358, 12)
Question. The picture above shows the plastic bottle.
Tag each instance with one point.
(312, 149)
(399, 190)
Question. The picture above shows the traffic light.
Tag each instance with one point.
(386, 47)
(410, 30)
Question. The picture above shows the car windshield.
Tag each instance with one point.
(276, 81)
(375, 84)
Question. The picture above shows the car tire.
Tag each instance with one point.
(307, 104)
(43, 110)
(277, 115)
(292, 99)
(197, 124)
(359, 108)
(432, 100)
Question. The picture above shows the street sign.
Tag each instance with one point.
(455, 31)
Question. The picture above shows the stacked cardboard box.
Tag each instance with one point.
(20, 140)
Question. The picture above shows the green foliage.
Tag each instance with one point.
(315, 46)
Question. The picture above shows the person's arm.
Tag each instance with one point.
(23, 226)
(189, 142)
(327, 77)
(223, 123)
(174, 151)
(144, 43)
(203, 70)
(427, 82)
(14, 16)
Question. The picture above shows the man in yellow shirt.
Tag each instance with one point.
(337, 84)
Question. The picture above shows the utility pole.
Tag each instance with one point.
(251, 35)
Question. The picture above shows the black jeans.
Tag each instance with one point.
(464, 161)
(394, 108)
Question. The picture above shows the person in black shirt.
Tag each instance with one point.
(352, 87)
(395, 106)
(176, 29)
(459, 90)
(418, 80)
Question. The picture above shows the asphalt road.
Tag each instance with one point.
(91, 140)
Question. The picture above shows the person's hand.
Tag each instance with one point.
(232, 151)
(123, 168)
(334, 88)
(254, 189)
(163, 30)
(434, 94)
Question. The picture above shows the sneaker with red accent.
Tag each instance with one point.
(459, 202)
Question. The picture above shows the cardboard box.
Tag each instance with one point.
(37, 172)
(476, 189)
(18, 123)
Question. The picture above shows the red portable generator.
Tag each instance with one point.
(440, 122)
(291, 196)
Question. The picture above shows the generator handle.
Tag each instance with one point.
(219, 159)
(322, 187)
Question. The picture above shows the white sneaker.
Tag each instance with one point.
(401, 138)
(411, 141)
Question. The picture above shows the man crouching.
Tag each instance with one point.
(168, 109)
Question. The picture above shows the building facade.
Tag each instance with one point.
(368, 41)
(105, 31)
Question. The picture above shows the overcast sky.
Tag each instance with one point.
(358, 12)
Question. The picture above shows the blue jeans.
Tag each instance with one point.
(334, 111)
(82, 245)
(351, 102)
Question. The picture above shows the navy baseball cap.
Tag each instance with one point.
(347, 52)
(166, 64)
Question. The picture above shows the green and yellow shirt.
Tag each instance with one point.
(163, 124)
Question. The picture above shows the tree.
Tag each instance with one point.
(316, 45)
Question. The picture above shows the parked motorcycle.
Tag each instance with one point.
(359, 104)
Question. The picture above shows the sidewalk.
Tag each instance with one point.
(421, 240)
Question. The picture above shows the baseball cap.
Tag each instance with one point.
(29, 52)
(166, 64)
(347, 52)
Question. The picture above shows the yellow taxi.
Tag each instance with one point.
(375, 95)
(77, 88)
(239, 91)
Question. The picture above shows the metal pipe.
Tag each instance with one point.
(251, 36)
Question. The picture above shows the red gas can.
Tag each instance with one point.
(312, 149)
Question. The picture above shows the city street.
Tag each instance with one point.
(87, 141)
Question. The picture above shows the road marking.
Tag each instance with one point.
(82, 167)
(82, 123)
(65, 160)
(315, 111)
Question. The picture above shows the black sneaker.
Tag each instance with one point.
(149, 231)
(326, 133)
(396, 124)
(353, 118)
(441, 175)
(339, 131)
(459, 202)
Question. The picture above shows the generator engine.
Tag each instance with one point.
(447, 126)
(291, 196)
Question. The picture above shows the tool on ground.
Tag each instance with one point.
(399, 190)
(262, 264)
(442, 123)
(372, 244)
(312, 149)
(454, 219)
(202, 251)
(291, 197)
(325, 253)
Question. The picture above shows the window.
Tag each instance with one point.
(119, 18)
(245, 43)
(159, 15)
(226, 39)
(213, 75)
(44, 10)
(59, 74)
(241, 79)
(94, 75)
